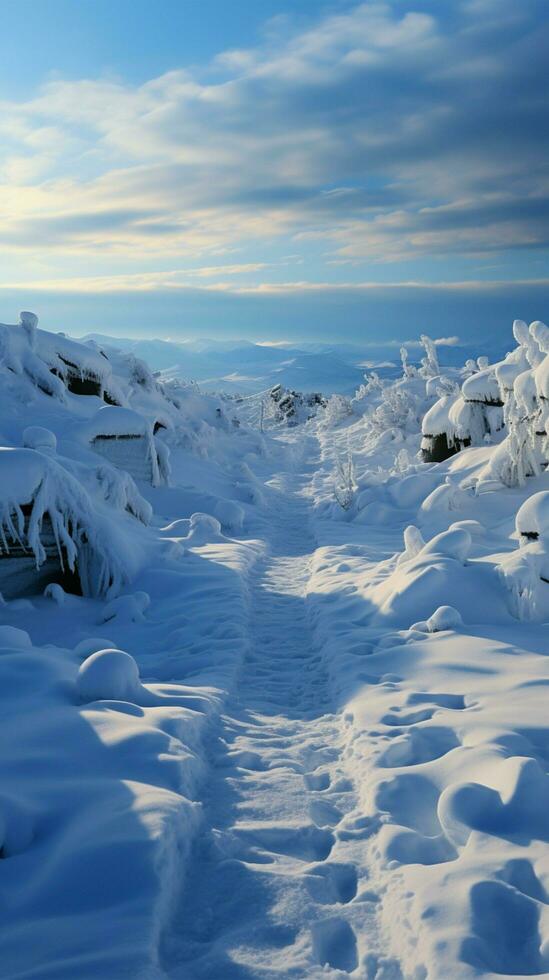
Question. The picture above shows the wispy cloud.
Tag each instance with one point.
(379, 133)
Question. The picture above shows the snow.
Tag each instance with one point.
(296, 724)
(80, 534)
(36, 437)
(113, 421)
(109, 675)
(482, 387)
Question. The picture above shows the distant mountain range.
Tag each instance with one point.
(243, 366)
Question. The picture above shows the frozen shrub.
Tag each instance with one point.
(120, 491)
(525, 572)
(337, 409)
(292, 407)
(29, 323)
(345, 485)
(523, 379)
(44, 510)
(429, 365)
(408, 370)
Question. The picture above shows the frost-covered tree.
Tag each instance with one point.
(345, 484)
(338, 408)
(430, 367)
(408, 370)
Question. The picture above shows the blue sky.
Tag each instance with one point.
(275, 170)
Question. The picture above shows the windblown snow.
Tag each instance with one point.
(273, 671)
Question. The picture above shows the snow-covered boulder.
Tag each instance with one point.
(111, 675)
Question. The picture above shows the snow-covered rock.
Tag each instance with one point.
(108, 675)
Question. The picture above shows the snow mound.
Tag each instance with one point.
(111, 675)
(453, 543)
(56, 593)
(444, 618)
(230, 514)
(203, 529)
(91, 645)
(12, 638)
(532, 521)
(130, 608)
(43, 440)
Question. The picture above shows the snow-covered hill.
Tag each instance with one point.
(243, 367)
(273, 703)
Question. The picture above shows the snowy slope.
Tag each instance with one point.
(243, 367)
(304, 732)
(240, 366)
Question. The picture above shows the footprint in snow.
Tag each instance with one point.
(317, 781)
(324, 814)
(334, 944)
(330, 883)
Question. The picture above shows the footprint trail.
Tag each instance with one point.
(273, 888)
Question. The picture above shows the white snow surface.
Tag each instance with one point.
(299, 728)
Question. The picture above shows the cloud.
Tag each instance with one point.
(382, 132)
(369, 314)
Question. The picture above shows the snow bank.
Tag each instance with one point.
(103, 767)
(441, 672)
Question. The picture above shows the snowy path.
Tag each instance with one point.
(276, 888)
